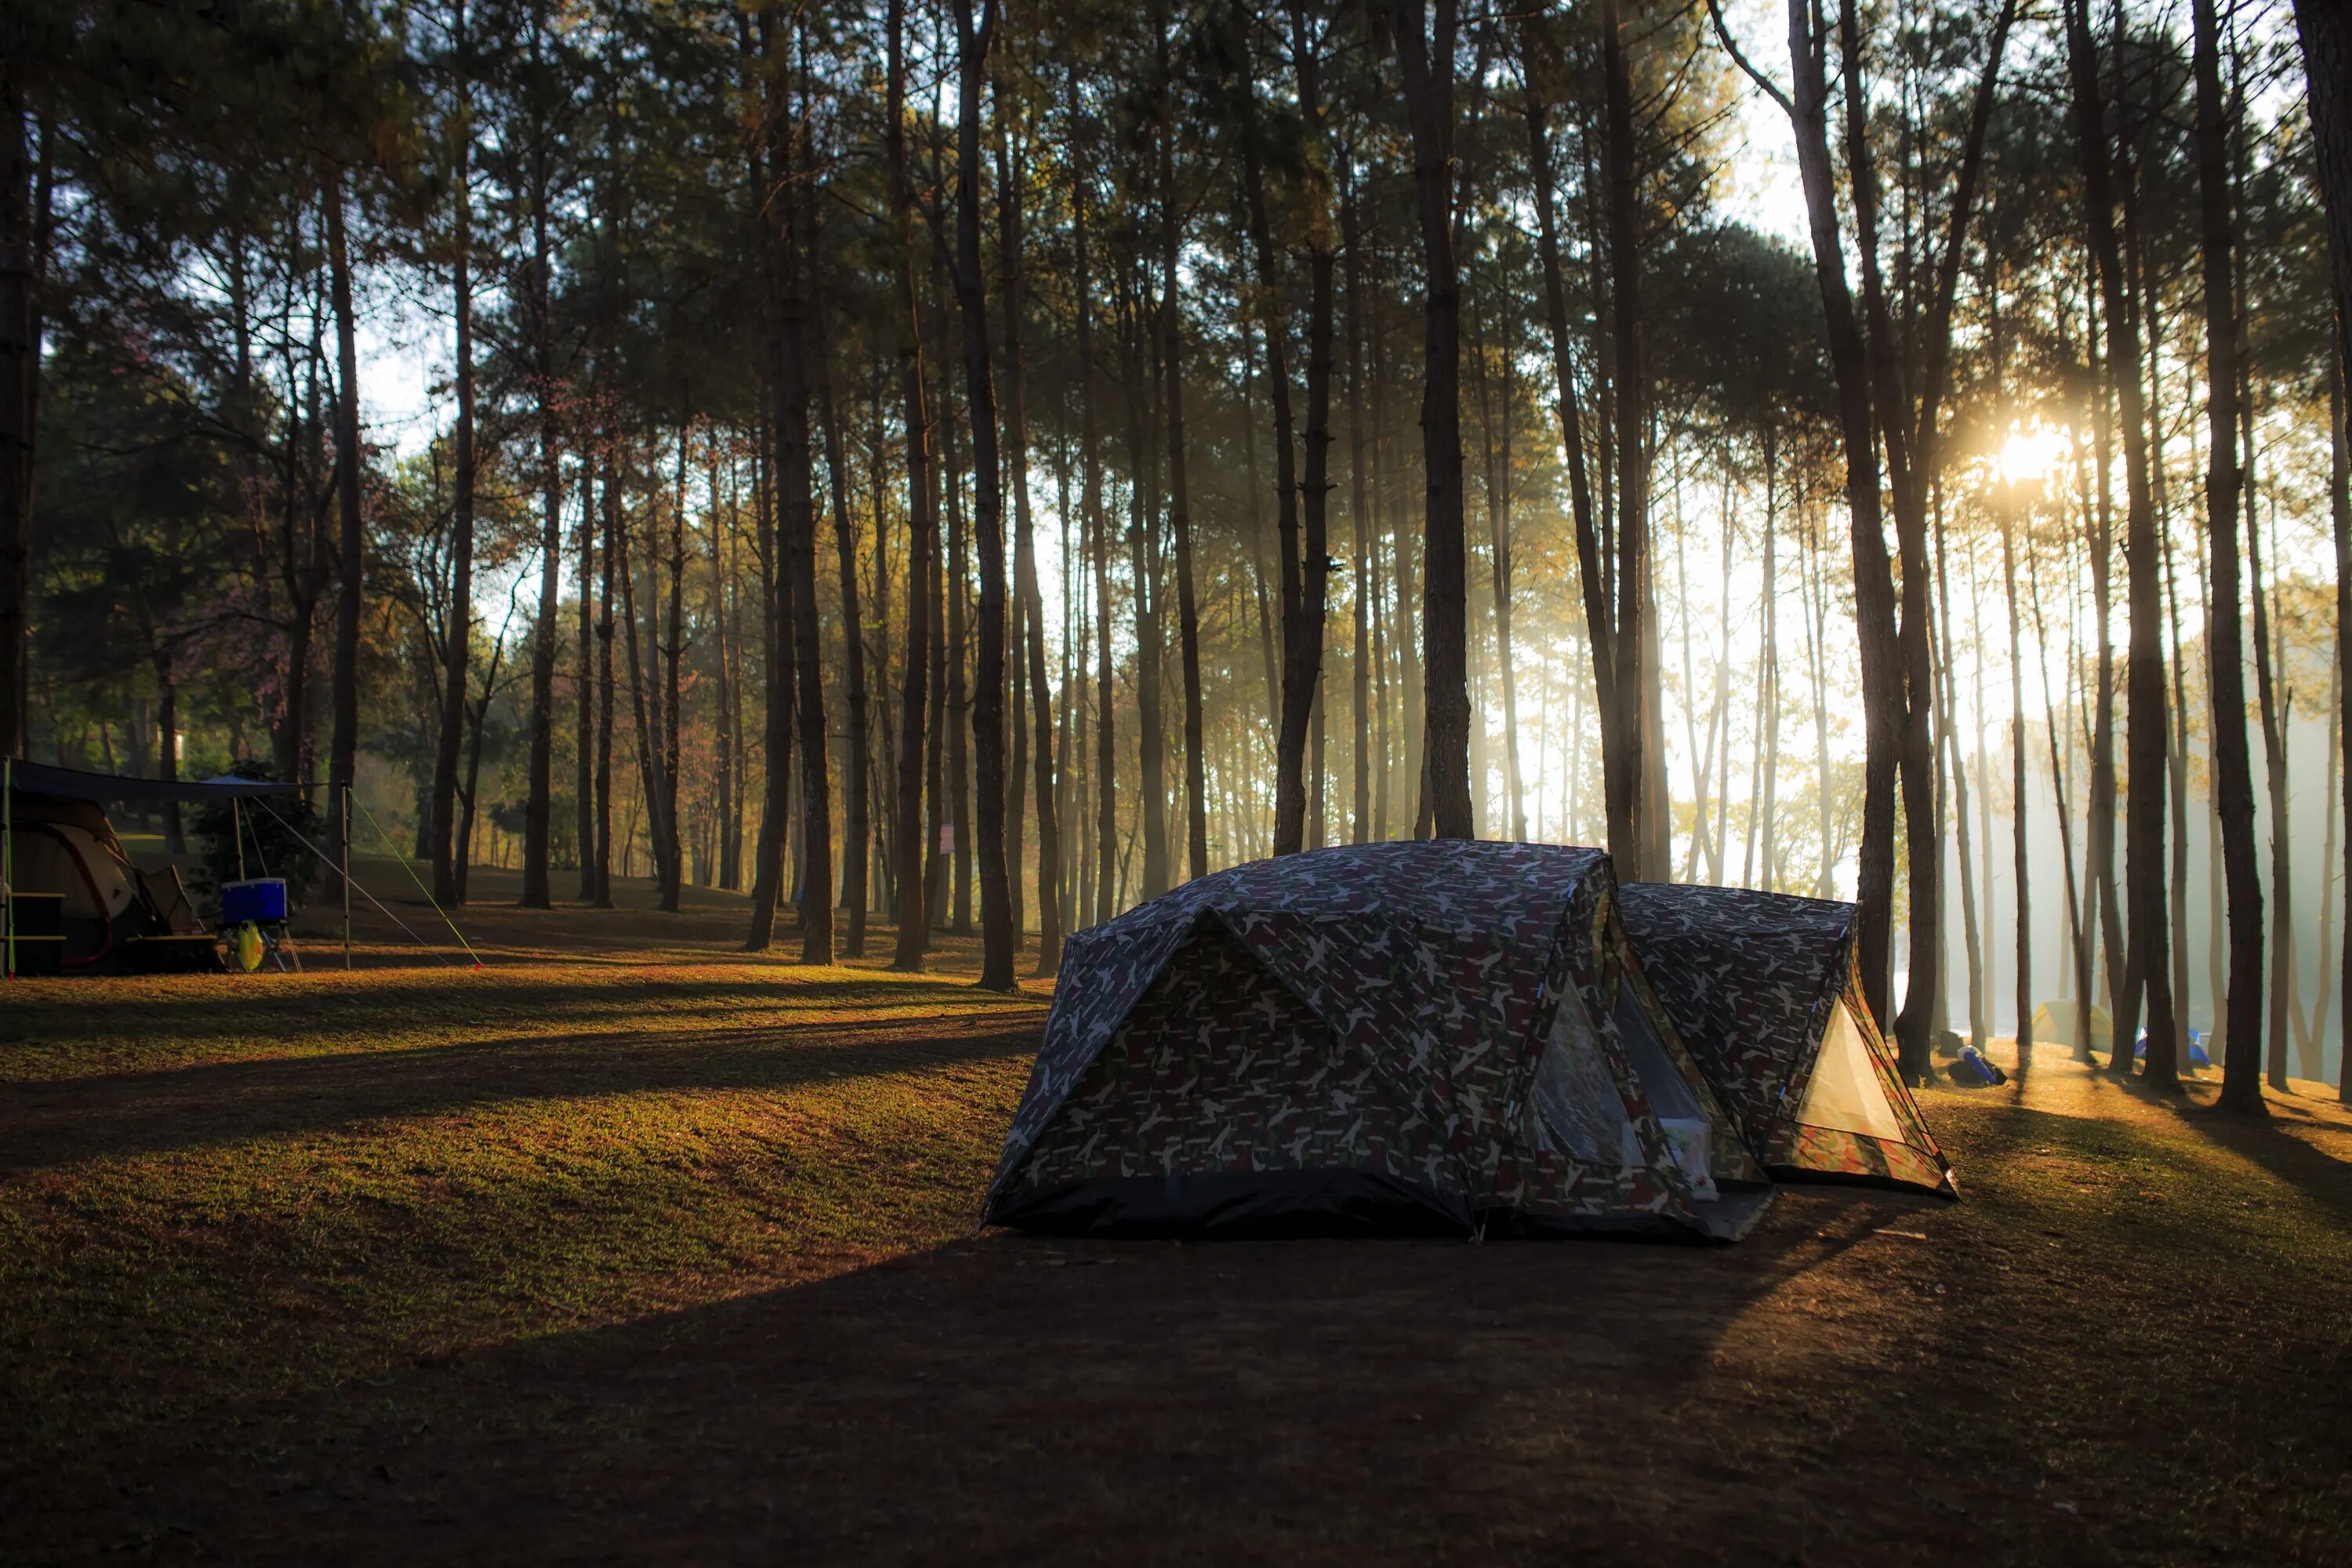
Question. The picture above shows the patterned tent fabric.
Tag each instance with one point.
(1753, 983)
(1353, 1037)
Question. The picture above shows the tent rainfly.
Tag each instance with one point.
(1764, 991)
(1438, 1037)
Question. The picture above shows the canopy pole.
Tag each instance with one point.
(236, 831)
(8, 865)
(345, 849)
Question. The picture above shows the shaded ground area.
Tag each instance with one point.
(669, 1255)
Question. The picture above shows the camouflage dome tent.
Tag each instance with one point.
(1763, 989)
(1440, 1037)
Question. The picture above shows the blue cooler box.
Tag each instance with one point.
(261, 901)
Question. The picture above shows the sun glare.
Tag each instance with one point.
(2027, 455)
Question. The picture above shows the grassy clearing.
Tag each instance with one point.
(662, 1247)
(222, 1187)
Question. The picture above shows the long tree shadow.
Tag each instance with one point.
(2274, 1144)
(1005, 1397)
(50, 1124)
(214, 1009)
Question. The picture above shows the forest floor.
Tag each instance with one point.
(628, 1246)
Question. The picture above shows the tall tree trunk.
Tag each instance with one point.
(1359, 518)
(1600, 615)
(1883, 718)
(1980, 1028)
(2277, 710)
(2326, 35)
(538, 804)
(1180, 501)
(1096, 529)
(1273, 314)
(921, 545)
(2147, 968)
(610, 565)
(2022, 860)
(998, 938)
(856, 828)
(26, 183)
(660, 833)
(458, 628)
(1425, 48)
(1010, 173)
(351, 551)
(955, 669)
(583, 781)
(2240, 1081)
(2339, 498)
(1638, 814)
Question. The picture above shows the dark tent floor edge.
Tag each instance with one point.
(1292, 1205)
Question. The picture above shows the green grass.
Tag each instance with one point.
(240, 1214)
(214, 1187)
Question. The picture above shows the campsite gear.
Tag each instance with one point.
(54, 837)
(173, 952)
(1764, 990)
(253, 917)
(36, 932)
(1437, 1036)
(2198, 1055)
(1972, 1071)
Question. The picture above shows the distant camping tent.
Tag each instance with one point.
(1763, 989)
(57, 840)
(1442, 1037)
(2053, 1025)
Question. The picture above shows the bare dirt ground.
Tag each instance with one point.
(2130, 1342)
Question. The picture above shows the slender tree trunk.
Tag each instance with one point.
(585, 764)
(919, 529)
(1883, 715)
(1600, 613)
(2339, 496)
(2325, 32)
(25, 184)
(1274, 313)
(351, 551)
(1097, 531)
(458, 641)
(1179, 502)
(1010, 175)
(610, 565)
(1359, 518)
(1980, 1028)
(2021, 863)
(1638, 819)
(856, 830)
(2150, 964)
(2277, 711)
(998, 938)
(955, 671)
(1426, 56)
(2241, 1083)
(538, 803)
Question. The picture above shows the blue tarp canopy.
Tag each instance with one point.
(72, 783)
